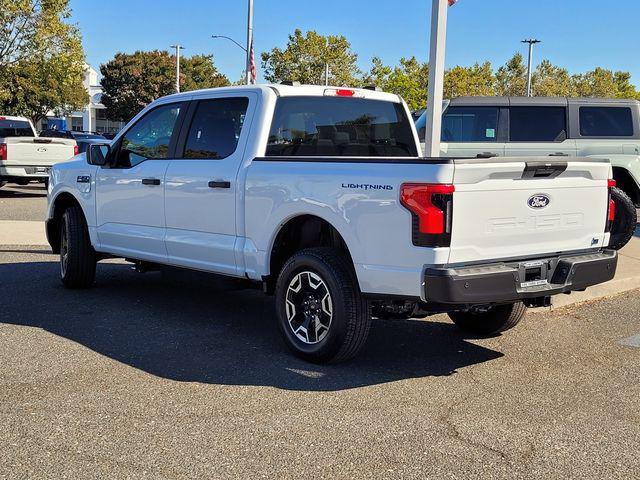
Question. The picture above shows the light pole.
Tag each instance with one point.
(531, 42)
(249, 41)
(178, 47)
(436, 76)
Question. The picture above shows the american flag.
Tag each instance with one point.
(452, 2)
(252, 65)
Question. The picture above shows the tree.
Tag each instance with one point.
(132, 81)
(199, 72)
(304, 59)
(604, 83)
(41, 59)
(33, 29)
(478, 80)
(551, 81)
(511, 78)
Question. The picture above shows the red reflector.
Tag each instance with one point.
(345, 93)
(3, 151)
(612, 210)
(3, 118)
(612, 183)
(76, 150)
(419, 198)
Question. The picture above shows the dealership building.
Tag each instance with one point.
(92, 118)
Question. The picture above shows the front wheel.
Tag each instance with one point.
(491, 322)
(321, 313)
(77, 256)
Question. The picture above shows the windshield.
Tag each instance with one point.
(15, 128)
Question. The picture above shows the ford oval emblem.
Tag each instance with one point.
(539, 200)
(42, 150)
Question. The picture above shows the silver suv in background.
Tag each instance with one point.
(556, 127)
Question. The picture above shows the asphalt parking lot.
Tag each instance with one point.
(177, 376)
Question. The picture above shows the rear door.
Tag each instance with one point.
(540, 130)
(469, 131)
(511, 209)
(202, 183)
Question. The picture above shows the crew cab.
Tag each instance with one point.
(24, 156)
(555, 127)
(321, 195)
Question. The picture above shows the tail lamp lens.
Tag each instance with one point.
(76, 150)
(611, 211)
(3, 151)
(430, 206)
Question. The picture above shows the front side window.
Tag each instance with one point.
(470, 124)
(15, 128)
(150, 137)
(343, 127)
(216, 127)
(606, 122)
(537, 124)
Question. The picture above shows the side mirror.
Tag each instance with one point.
(98, 153)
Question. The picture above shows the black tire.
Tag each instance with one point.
(347, 327)
(77, 256)
(625, 223)
(497, 319)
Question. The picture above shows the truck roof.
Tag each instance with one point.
(9, 117)
(290, 91)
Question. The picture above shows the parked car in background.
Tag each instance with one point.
(554, 128)
(83, 139)
(416, 114)
(24, 156)
(320, 196)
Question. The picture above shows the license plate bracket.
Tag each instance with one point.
(533, 274)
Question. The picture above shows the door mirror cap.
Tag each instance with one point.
(98, 154)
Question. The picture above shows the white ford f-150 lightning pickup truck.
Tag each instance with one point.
(24, 156)
(321, 195)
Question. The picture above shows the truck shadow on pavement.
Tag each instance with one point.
(27, 191)
(211, 332)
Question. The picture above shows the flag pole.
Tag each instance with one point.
(249, 42)
(436, 76)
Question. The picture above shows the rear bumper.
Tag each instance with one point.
(34, 172)
(513, 281)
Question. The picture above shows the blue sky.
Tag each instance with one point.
(578, 34)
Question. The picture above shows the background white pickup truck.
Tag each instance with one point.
(24, 156)
(321, 195)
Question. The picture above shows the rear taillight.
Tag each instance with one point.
(76, 150)
(431, 207)
(611, 211)
(3, 151)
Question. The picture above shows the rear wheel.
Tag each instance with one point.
(495, 320)
(321, 313)
(77, 256)
(624, 225)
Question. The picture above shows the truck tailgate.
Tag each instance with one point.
(38, 151)
(515, 207)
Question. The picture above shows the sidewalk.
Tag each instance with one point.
(627, 276)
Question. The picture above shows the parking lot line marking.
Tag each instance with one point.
(633, 341)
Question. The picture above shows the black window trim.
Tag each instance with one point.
(502, 123)
(115, 148)
(181, 143)
(566, 124)
(634, 128)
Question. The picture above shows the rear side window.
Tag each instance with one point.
(537, 124)
(15, 128)
(346, 127)
(216, 128)
(606, 122)
(470, 124)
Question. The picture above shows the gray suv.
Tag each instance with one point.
(544, 126)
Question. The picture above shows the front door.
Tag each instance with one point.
(130, 189)
(202, 184)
